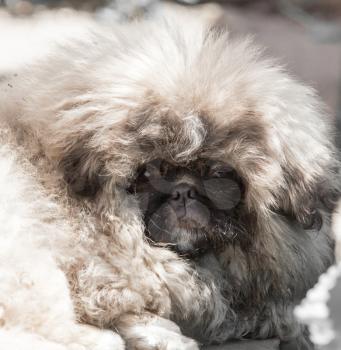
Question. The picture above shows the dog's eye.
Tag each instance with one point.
(140, 179)
(143, 173)
(153, 169)
(221, 171)
(164, 168)
(146, 173)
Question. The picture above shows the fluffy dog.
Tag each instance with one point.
(196, 180)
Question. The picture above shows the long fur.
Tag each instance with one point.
(109, 99)
(36, 310)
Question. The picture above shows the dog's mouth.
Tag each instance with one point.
(187, 238)
(190, 225)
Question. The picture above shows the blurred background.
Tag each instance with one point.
(304, 34)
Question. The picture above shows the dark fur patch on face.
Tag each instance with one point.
(80, 179)
(192, 208)
(303, 204)
(241, 140)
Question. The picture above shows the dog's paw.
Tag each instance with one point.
(300, 342)
(160, 339)
(85, 337)
(296, 344)
(109, 341)
(158, 334)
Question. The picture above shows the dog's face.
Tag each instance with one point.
(193, 207)
(219, 146)
(202, 182)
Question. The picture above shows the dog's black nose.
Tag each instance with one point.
(186, 202)
(183, 193)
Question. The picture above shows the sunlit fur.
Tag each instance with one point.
(106, 101)
(36, 235)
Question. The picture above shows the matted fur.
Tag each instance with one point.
(110, 99)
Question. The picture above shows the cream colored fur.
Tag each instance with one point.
(36, 310)
(99, 103)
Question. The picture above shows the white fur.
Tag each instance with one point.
(36, 311)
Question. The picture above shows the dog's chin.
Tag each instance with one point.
(187, 249)
(190, 225)
(187, 239)
(190, 235)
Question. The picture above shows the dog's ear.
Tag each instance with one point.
(304, 202)
(82, 170)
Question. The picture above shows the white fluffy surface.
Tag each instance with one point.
(24, 40)
(314, 311)
(36, 312)
(35, 306)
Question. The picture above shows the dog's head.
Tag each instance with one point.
(192, 207)
(212, 139)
